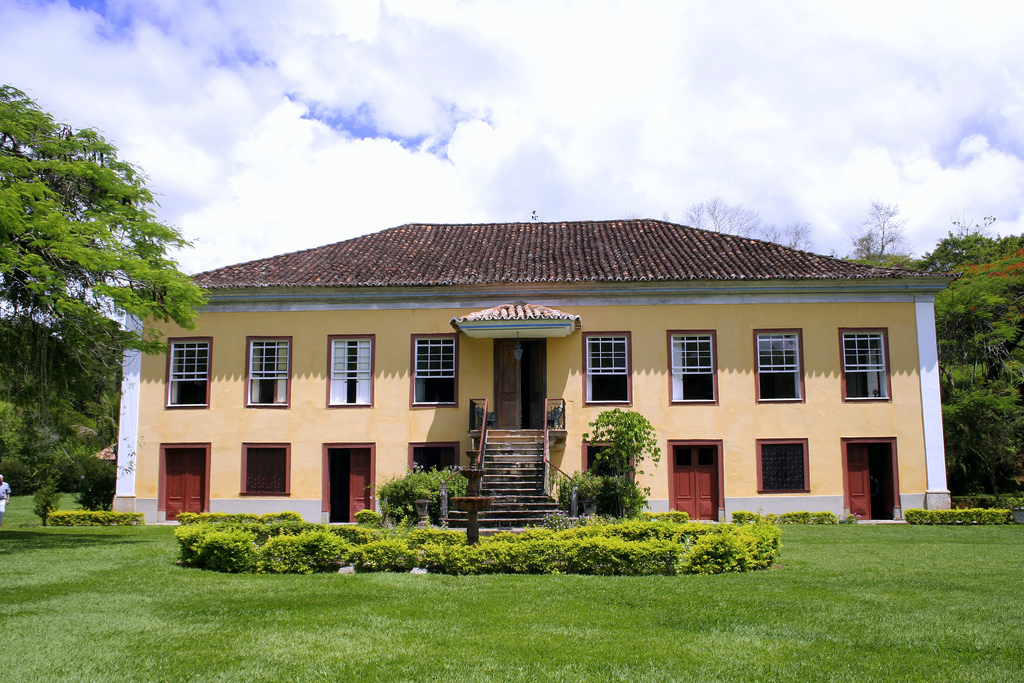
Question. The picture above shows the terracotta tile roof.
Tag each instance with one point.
(518, 311)
(639, 250)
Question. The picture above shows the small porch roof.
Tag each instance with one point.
(528, 321)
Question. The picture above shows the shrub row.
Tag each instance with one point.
(94, 518)
(965, 516)
(630, 548)
(237, 517)
(803, 517)
(677, 516)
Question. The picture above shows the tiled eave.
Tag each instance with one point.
(577, 294)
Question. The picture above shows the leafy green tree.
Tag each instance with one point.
(628, 439)
(969, 245)
(80, 249)
(46, 500)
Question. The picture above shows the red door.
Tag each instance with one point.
(358, 481)
(509, 389)
(858, 477)
(184, 480)
(695, 481)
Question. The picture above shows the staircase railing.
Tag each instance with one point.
(554, 418)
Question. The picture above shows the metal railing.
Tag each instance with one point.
(554, 418)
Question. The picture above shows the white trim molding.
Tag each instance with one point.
(937, 495)
(128, 425)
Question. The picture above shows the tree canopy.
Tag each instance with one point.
(80, 249)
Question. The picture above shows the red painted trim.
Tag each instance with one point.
(884, 331)
(891, 440)
(695, 443)
(287, 469)
(628, 403)
(800, 361)
(714, 366)
(456, 445)
(161, 486)
(807, 470)
(248, 368)
(330, 368)
(412, 371)
(585, 452)
(325, 471)
(167, 373)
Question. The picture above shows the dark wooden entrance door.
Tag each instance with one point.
(349, 479)
(184, 480)
(520, 386)
(695, 481)
(870, 480)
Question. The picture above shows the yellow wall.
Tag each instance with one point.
(738, 421)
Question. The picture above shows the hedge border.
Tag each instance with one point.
(94, 518)
(960, 516)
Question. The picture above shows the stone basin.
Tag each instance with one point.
(472, 503)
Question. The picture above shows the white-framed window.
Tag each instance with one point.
(693, 367)
(269, 361)
(351, 371)
(189, 373)
(864, 366)
(778, 366)
(435, 376)
(607, 368)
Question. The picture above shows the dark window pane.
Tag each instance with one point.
(608, 388)
(265, 470)
(782, 467)
(705, 457)
(437, 457)
(435, 390)
(699, 387)
(778, 385)
(684, 457)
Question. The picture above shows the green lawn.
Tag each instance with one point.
(851, 603)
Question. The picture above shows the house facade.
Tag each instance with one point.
(776, 380)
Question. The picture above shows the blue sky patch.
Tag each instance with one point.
(359, 124)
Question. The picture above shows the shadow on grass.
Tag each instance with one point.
(14, 540)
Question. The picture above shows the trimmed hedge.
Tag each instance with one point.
(630, 548)
(964, 516)
(94, 518)
(676, 516)
(237, 517)
(802, 517)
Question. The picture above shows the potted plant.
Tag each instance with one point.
(588, 488)
(1016, 506)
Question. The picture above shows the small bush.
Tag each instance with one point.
(356, 535)
(419, 537)
(230, 551)
(802, 517)
(398, 495)
(965, 516)
(743, 517)
(188, 538)
(96, 489)
(285, 516)
(308, 552)
(718, 553)
(94, 518)
(387, 555)
(369, 517)
(673, 516)
(46, 500)
(217, 518)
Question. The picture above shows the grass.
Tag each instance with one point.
(850, 603)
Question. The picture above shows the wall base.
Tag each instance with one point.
(658, 505)
(311, 510)
(124, 504)
(775, 504)
(937, 500)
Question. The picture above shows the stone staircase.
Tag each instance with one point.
(514, 477)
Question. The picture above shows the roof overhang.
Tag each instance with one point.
(526, 321)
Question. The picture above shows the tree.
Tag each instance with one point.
(717, 215)
(80, 249)
(794, 235)
(626, 437)
(881, 238)
(969, 245)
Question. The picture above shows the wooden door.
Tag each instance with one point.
(358, 481)
(695, 481)
(858, 479)
(508, 385)
(184, 480)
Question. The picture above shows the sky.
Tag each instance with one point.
(268, 126)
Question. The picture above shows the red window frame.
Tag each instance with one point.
(287, 469)
(248, 369)
(629, 369)
(412, 372)
(760, 471)
(330, 367)
(714, 367)
(167, 373)
(800, 362)
(884, 331)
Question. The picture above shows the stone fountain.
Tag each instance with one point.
(472, 503)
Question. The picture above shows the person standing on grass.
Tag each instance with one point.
(5, 495)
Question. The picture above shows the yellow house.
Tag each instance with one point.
(776, 379)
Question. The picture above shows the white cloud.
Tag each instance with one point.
(576, 109)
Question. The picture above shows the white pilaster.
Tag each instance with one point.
(128, 426)
(937, 495)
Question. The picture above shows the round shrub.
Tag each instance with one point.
(356, 535)
(308, 552)
(718, 553)
(369, 517)
(227, 551)
(383, 556)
